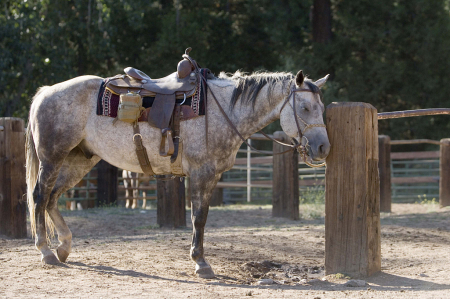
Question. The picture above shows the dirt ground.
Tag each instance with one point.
(119, 253)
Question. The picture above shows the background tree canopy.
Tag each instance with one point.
(392, 54)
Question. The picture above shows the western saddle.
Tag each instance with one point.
(164, 113)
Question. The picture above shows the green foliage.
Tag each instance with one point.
(392, 54)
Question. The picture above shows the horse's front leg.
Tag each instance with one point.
(202, 186)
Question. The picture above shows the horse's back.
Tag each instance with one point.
(76, 91)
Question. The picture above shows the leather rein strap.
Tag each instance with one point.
(293, 148)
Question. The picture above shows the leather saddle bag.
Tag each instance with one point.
(130, 107)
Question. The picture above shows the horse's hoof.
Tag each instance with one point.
(205, 272)
(50, 260)
(62, 254)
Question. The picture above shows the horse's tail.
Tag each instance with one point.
(32, 172)
(32, 167)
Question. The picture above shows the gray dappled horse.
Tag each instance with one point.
(63, 119)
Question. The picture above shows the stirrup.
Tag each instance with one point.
(166, 134)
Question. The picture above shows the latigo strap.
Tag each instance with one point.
(141, 151)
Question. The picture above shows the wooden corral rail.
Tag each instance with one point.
(385, 173)
(444, 184)
(415, 141)
(267, 184)
(415, 155)
(411, 113)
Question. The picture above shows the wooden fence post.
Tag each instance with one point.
(285, 198)
(106, 183)
(171, 203)
(384, 165)
(13, 211)
(444, 182)
(352, 206)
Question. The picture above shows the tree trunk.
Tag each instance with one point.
(321, 21)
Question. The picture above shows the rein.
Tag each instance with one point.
(293, 148)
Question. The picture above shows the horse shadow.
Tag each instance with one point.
(380, 281)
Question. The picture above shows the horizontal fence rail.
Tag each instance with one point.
(411, 113)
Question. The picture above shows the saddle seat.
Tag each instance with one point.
(182, 83)
(168, 85)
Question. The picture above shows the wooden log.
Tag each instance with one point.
(415, 155)
(285, 195)
(384, 166)
(415, 180)
(415, 141)
(13, 211)
(352, 206)
(444, 182)
(171, 203)
(411, 113)
(106, 184)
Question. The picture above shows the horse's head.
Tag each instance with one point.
(302, 117)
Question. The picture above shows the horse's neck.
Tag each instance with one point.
(251, 120)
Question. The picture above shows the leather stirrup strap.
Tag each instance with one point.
(141, 151)
(166, 134)
(176, 132)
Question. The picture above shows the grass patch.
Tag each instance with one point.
(312, 203)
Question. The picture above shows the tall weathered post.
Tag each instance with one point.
(384, 166)
(106, 183)
(444, 182)
(171, 203)
(13, 211)
(285, 196)
(352, 206)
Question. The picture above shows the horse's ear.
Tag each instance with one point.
(321, 82)
(299, 78)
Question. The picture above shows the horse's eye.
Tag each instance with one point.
(306, 109)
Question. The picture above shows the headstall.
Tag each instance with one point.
(301, 149)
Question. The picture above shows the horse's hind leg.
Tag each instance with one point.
(48, 174)
(75, 167)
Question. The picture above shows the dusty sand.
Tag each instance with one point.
(119, 253)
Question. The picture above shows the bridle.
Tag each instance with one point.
(301, 149)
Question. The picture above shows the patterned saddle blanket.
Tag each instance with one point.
(193, 106)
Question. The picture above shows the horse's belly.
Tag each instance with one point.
(114, 144)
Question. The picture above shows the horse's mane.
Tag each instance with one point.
(248, 86)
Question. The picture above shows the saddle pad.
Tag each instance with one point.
(108, 102)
